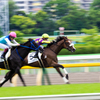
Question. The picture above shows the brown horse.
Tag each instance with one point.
(49, 56)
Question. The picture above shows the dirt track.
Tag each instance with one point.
(74, 78)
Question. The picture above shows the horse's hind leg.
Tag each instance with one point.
(66, 78)
(7, 77)
(19, 74)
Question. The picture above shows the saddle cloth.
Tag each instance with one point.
(31, 59)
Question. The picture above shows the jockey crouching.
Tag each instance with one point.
(40, 41)
(6, 43)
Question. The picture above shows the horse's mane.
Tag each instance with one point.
(26, 41)
(59, 38)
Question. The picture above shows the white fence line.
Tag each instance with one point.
(79, 57)
(89, 96)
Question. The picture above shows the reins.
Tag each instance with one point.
(28, 48)
(31, 46)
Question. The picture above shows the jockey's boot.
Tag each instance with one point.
(3, 55)
(36, 55)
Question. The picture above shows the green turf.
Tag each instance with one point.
(50, 90)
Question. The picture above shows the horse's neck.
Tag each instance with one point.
(57, 47)
(23, 52)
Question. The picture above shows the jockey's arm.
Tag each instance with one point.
(14, 41)
(46, 42)
(9, 43)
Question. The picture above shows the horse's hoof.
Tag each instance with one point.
(68, 83)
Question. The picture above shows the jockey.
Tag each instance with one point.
(5, 43)
(40, 41)
(43, 40)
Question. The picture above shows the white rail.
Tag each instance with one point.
(79, 57)
(85, 96)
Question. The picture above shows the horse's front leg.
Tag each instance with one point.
(21, 78)
(65, 78)
(19, 74)
(11, 83)
(7, 77)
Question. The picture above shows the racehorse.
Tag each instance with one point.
(49, 55)
(17, 57)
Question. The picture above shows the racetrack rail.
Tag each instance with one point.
(85, 96)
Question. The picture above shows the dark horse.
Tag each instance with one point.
(17, 57)
(49, 56)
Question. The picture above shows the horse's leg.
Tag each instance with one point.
(4, 77)
(11, 83)
(10, 74)
(21, 78)
(66, 79)
(18, 71)
(7, 77)
(10, 80)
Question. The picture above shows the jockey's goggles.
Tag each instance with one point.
(12, 37)
(46, 38)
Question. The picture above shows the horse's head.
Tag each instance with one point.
(69, 45)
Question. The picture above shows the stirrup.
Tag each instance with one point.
(35, 56)
(3, 56)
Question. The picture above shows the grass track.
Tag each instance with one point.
(50, 90)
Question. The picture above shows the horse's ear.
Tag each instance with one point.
(30, 39)
(66, 37)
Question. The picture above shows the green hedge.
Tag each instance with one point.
(81, 50)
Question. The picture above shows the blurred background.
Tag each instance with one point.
(79, 20)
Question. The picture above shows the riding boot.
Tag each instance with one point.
(36, 55)
(3, 55)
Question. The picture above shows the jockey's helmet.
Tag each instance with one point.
(45, 35)
(13, 34)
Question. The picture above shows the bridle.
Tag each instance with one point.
(59, 45)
